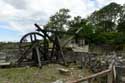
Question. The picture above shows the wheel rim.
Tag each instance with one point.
(29, 41)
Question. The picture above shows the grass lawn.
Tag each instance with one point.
(47, 74)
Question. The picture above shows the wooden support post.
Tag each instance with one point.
(82, 62)
(90, 80)
(110, 77)
(60, 50)
(110, 74)
(38, 56)
(114, 74)
(99, 79)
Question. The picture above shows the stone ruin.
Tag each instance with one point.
(93, 61)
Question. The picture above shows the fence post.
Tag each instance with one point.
(90, 80)
(110, 77)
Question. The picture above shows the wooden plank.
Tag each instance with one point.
(100, 74)
(114, 73)
(108, 72)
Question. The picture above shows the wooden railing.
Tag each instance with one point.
(110, 73)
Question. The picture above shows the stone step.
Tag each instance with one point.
(2, 61)
(5, 64)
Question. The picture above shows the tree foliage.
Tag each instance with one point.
(110, 12)
(87, 28)
(109, 23)
(105, 26)
(59, 20)
(121, 27)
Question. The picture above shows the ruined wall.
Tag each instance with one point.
(106, 49)
(77, 57)
(96, 62)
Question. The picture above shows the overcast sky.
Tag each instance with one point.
(18, 16)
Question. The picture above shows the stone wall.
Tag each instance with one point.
(96, 62)
(77, 57)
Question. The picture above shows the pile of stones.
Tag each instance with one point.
(97, 63)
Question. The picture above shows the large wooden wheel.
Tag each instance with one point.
(30, 42)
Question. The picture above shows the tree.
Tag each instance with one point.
(107, 21)
(59, 20)
(87, 29)
(110, 12)
(121, 27)
(107, 18)
(120, 39)
(121, 24)
(105, 38)
(105, 26)
(76, 23)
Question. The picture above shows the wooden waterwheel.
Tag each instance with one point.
(33, 47)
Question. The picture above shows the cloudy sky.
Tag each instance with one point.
(18, 16)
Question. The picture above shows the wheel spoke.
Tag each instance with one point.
(35, 38)
(31, 38)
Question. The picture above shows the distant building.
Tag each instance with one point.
(79, 45)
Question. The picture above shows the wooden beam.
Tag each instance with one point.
(108, 72)
(100, 74)
(38, 57)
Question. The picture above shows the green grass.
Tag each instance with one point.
(47, 74)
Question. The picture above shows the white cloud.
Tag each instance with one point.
(105, 2)
(18, 4)
(20, 15)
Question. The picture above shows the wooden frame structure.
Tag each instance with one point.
(39, 49)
